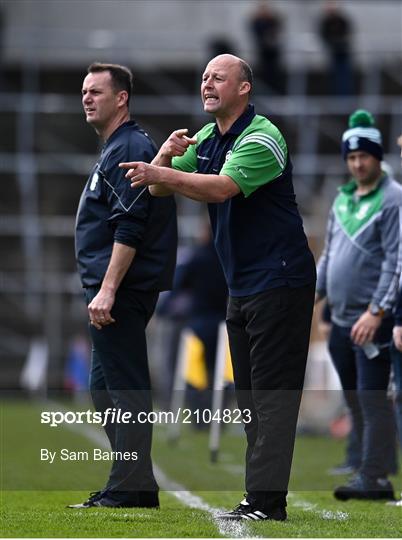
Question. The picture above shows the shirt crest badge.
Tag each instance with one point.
(94, 181)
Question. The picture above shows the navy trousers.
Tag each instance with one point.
(396, 357)
(120, 379)
(365, 383)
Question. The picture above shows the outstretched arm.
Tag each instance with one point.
(200, 187)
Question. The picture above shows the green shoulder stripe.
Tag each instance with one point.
(262, 131)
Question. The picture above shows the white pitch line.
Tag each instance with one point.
(230, 529)
(298, 502)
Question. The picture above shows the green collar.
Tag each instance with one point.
(350, 187)
(355, 213)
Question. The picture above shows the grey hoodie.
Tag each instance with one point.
(361, 261)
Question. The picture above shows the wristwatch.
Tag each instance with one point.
(376, 310)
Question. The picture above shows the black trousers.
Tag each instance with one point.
(269, 338)
(120, 379)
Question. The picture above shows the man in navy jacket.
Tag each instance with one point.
(126, 252)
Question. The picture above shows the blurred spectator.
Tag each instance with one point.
(220, 45)
(203, 278)
(396, 351)
(335, 30)
(266, 28)
(200, 289)
(76, 372)
(197, 302)
(173, 310)
(396, 355)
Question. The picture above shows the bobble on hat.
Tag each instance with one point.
(362, 135)
(361, 118)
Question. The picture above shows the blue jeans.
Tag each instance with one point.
(365, 383)
(396, 357)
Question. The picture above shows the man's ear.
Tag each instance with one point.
(122, 97)
(245, 87)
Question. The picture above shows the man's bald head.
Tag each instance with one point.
(230, 60)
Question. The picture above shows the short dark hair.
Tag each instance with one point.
(122, 78)
(246, 73)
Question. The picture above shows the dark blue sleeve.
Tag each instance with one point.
(129, 208)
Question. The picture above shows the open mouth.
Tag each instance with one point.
(209, 98)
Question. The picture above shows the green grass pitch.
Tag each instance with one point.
(34, 495)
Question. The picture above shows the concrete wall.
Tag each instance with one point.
(173, 32)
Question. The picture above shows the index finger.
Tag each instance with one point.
(190, 140)
(129, 165)
(180, 132)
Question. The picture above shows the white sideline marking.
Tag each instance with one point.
(231, 529)
(313, 507)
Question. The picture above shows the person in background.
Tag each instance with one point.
(240, 165)
(335, 31)
(202, 277)
(397, 350)
(219, 45)
(197, 302)
(125, 245)
(358, 273)
(76, 370)
(266, 27)
(396, 354)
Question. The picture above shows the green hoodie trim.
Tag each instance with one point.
(354, 212)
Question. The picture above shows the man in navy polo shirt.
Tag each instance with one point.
(126, 253)
(240, 165)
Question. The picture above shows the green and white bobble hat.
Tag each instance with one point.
(362, 135)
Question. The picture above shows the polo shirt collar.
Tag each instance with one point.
(117, 131)
(350, 187)
(241, 123)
